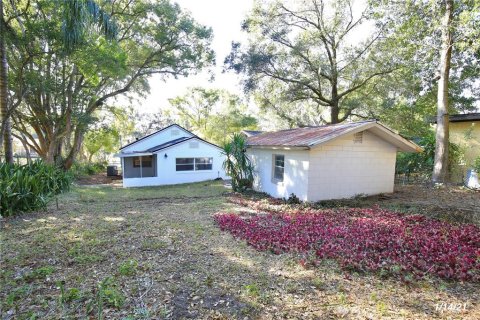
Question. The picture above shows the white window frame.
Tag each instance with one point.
(274, 162)
(194, 164)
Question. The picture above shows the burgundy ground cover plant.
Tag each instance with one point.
(369, 239)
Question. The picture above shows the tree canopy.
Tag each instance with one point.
(65, 88)
(307, 53)
(211, 113)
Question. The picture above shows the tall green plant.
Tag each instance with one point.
(29, 187)
(237, 164)
(422, 163)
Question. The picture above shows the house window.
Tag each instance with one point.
(278, 167)
(203, 163)
(185, 164)
(146, 161)
(194, 164)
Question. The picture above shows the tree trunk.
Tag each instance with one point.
(77, 144)
(334, 111)
(27, 149)
(440, 168)
(6, 128)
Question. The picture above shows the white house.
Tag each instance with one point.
(327, 162)
(170, 156)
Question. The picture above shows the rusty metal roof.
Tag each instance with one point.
(304, 137)
(250, 133)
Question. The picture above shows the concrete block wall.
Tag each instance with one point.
(345, 167)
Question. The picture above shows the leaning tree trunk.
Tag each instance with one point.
(440, 168)
(6, 127)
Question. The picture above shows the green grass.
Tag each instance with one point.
(106, 193)
(155, 253)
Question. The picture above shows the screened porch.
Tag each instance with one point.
(140, 166)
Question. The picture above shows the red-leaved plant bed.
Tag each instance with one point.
(366, 239)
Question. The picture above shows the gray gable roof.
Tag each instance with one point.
(154, 133)
(167, 144)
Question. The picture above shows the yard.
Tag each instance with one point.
(158, 253)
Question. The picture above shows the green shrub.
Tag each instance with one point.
(109, 293)
(293, 199)
(31, 186)
(87, 169)
(476, 164)
(422, 163)
(128, 268)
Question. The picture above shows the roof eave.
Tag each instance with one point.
(132, 154)
(396, 139)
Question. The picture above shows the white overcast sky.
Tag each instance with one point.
(225, 18)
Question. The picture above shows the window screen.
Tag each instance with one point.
(203, 163)
(185, 164)
(146, 161)
(278, 167)
(194, 164)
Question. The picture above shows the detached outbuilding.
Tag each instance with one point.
(171, 155)
(327, 162)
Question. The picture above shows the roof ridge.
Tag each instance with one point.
(323, 126)
(153, 133)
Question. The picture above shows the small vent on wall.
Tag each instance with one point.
(358, 137)
(175, 132)
(193, 145)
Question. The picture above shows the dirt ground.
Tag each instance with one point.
(451, 203)
(156, 253)
(100, 178)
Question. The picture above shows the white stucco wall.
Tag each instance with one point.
(295, 175)
(166, 167)
(169, 134)
(342, 168)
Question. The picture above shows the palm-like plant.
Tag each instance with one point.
(237, 164)
(82, 15)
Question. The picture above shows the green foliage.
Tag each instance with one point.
(80, 169)
(156, 37)
(105, 135)
(31, 186)
(128, 268)
(212, 114)
(301, 62)
(476, 164)
(252, 290)
(80, 17)
(109, 295)
(16, 295)
(237, 164)
(292, 199)
(104, 138)
(40, 273)
(422, 163)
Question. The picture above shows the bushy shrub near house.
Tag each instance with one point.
(29, 187)
(422, 163)
(80, 170)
